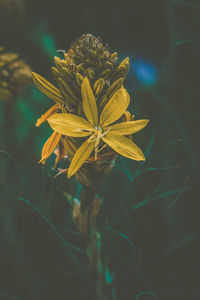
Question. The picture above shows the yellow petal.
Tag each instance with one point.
(70, 125)
(50, 146)
(69, 147)
(123, 146)
(122, 69)
(54, 109)
(98, 86)
(115, 107)
(127, 128)
(89, 102)
(81, 155)
(47, 88)
(114, 87)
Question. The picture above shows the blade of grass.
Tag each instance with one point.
(181, 190)
(182, 242)
(52, 226)
(108, 228)
(11, 158)
(187, 41)
(172, 192)
(166, 252)
(164, 102)
(145, 293)
(154, 169)
(141, 203)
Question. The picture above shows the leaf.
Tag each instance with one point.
(54, 109)
(47, 88)
(89, 102)
(70, 125)
(127, 128)
(115, 107)
(80, 157)
(123, 146)
(50, 146)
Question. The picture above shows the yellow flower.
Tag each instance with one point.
(100, 130)
(89, 119)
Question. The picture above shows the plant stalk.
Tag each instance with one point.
(84, 215)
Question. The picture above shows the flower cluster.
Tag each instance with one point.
(15, 74)
(90, 120)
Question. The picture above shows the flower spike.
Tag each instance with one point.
(90, 119)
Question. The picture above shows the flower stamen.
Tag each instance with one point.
(96, 138)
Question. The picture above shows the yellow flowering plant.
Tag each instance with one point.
(91, 126)
(90, 119)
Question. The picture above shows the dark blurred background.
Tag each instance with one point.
(150, 216)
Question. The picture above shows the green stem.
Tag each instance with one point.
(89, 209)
